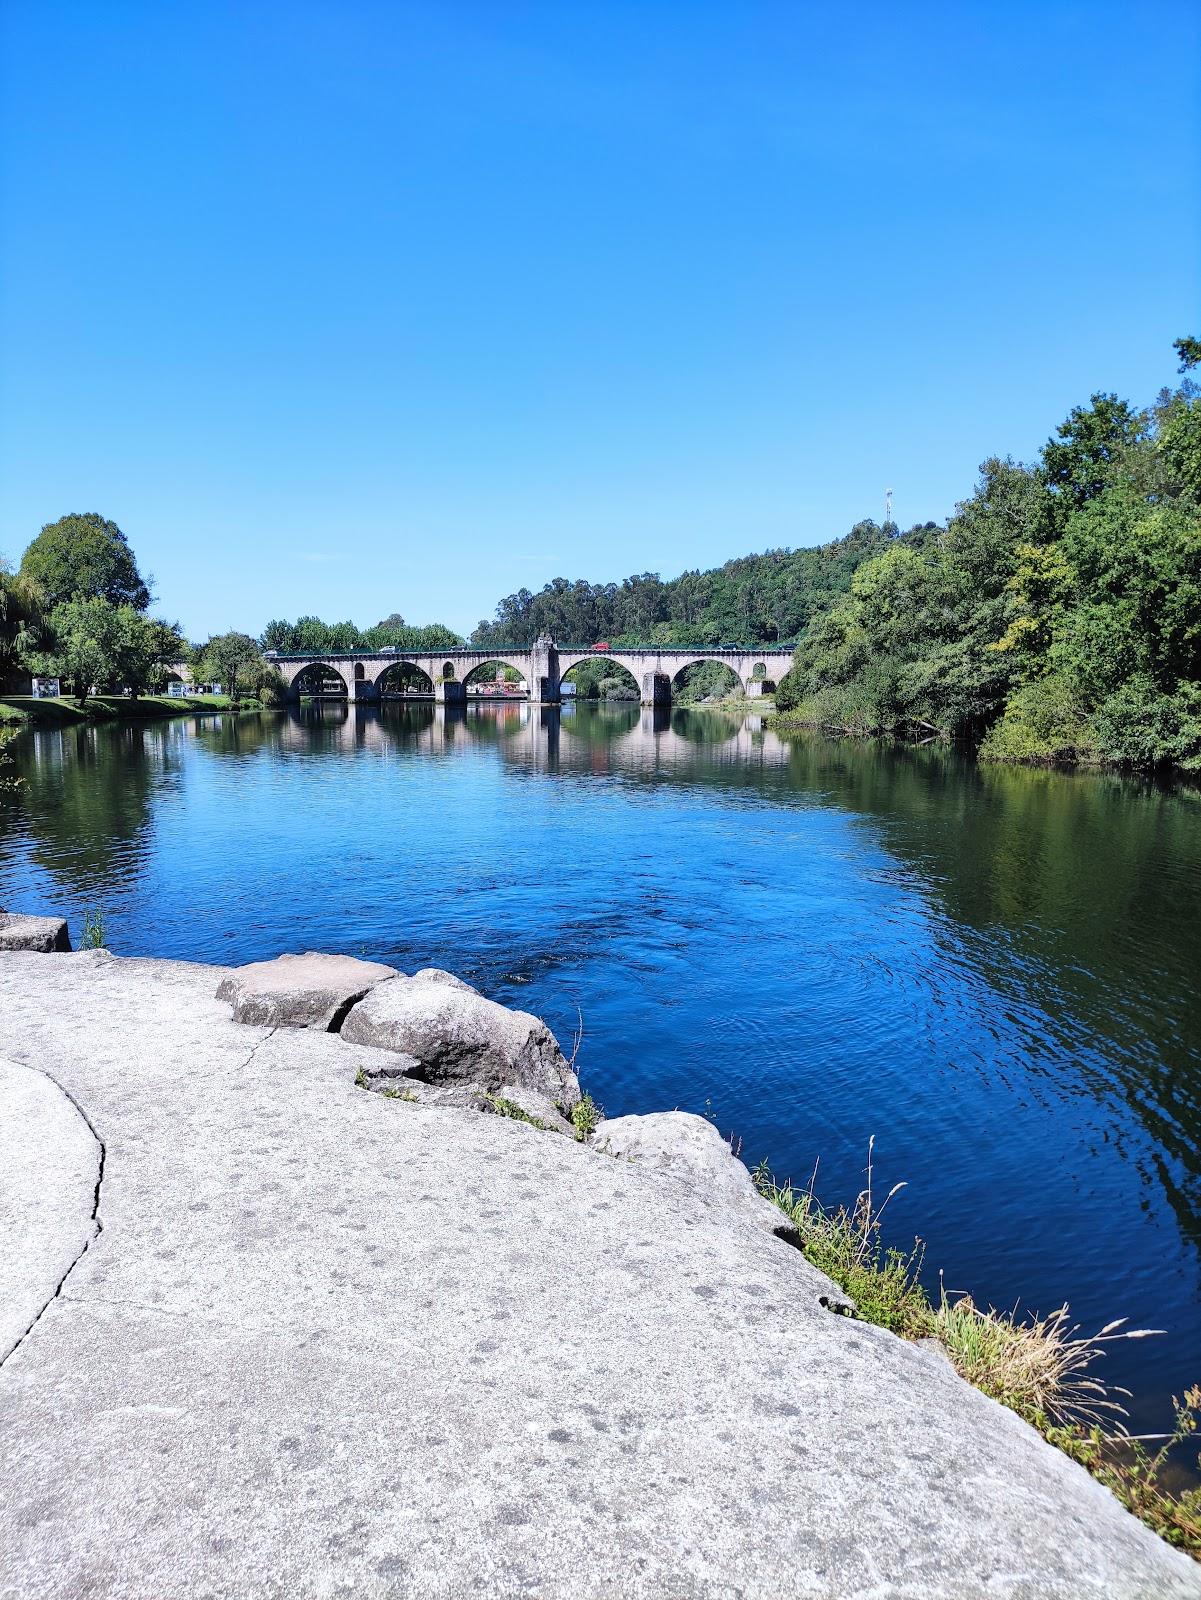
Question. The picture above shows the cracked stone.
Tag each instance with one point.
(307, 991)
(49, 1177)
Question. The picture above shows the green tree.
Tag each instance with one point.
(21, 620)
(86, 639)
(1090, 448)
(146, 648)
(232, 660)
(84, 557)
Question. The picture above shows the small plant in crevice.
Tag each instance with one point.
(93, 929)
(586, 1117)
(398, 1094)
(577, 1040)
(500, 1106)
(361, 1080)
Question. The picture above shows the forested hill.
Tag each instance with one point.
(756, 599)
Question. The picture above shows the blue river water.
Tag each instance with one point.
(994, 972)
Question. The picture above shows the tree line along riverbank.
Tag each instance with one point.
(1055, 618)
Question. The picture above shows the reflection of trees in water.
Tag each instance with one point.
(1076, 893)
(243, 735)
(86, 798)
(1073, 897)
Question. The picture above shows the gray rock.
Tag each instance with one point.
(308, 991)
(43, 934)
(49, 1165)
(437, 975)
(690, 1151)
(458, 1036)
(326, 1347)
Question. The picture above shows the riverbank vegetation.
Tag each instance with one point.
(1055, 618)
(16, 710)
(76, 611)
(1042, 1367)
(311, 636)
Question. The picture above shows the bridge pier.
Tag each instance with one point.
(656, 689)
(544, 683)
(449, 692)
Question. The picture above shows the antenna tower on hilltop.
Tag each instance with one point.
(887, 506)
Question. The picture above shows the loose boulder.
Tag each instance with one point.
(308, 991)
(458, 1036)
(43, 934)
(689, 1148)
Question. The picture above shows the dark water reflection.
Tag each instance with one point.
(993, 971)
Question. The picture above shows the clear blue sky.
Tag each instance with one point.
(351, 308)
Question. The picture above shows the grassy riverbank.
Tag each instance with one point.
(1040, 1367)
(17, 709)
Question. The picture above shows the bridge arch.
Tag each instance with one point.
(598, 668)
(472, 679)
(320, 681)
(705, 675)
(403, 677)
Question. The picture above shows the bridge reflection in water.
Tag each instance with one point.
(614, 737)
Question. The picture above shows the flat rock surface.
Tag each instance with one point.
(33, 933)
(331, 1344)
(49, 1167)
(305, 991)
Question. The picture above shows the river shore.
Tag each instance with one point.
(483, 1356)
(16, 710)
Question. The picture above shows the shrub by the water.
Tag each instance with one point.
(1041, 1367)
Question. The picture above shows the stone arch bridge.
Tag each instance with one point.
(370, 675)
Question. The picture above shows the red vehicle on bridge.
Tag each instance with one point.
(601, 646)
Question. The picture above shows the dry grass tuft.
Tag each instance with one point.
(1039, 1367)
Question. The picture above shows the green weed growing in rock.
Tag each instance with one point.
(93, 928)
(398, 1094)
(361, 1080)
(502, 1107)
(1134, 1474)
(586, 1117)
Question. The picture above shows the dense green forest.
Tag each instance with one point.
(755, 599)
